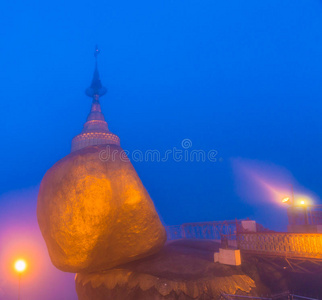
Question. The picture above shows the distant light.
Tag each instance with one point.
(286, 199)
(302, 202)
(20, 265)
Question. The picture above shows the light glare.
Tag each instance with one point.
(20, 265)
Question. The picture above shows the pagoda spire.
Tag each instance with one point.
(95, 130)
(96, 88)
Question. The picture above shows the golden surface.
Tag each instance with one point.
(126, 279)
(183, 269)
(95, 214)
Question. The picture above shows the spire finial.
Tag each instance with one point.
(96, 89)
(97, 52)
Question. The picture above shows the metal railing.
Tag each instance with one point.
(262, 242)
(308, 245)
(204, 230)
(208, 230)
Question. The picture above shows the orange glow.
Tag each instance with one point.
(20, 238)
(19, 249)
(22, 242)
(20, 265)
(303, 200)
(265, 182)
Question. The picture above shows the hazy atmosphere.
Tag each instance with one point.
(239, 81)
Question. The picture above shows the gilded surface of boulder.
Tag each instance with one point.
(94, 212)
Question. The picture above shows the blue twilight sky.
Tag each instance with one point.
(241, 77)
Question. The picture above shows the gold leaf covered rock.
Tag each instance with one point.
(94, 212)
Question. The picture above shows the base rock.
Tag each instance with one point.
(182, 270)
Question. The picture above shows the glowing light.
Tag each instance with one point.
(286, 199)
(303, 200)
(20, 265)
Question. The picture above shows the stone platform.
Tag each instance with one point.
(182, 270)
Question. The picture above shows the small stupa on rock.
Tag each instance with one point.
(95, 131)
(93, 210)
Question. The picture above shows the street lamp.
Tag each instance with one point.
(20, 267)
(286, 200)
(293, 206)
(304, 205)
(289, 200)
(290, 210)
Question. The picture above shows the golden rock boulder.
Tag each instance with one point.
(94, 212)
